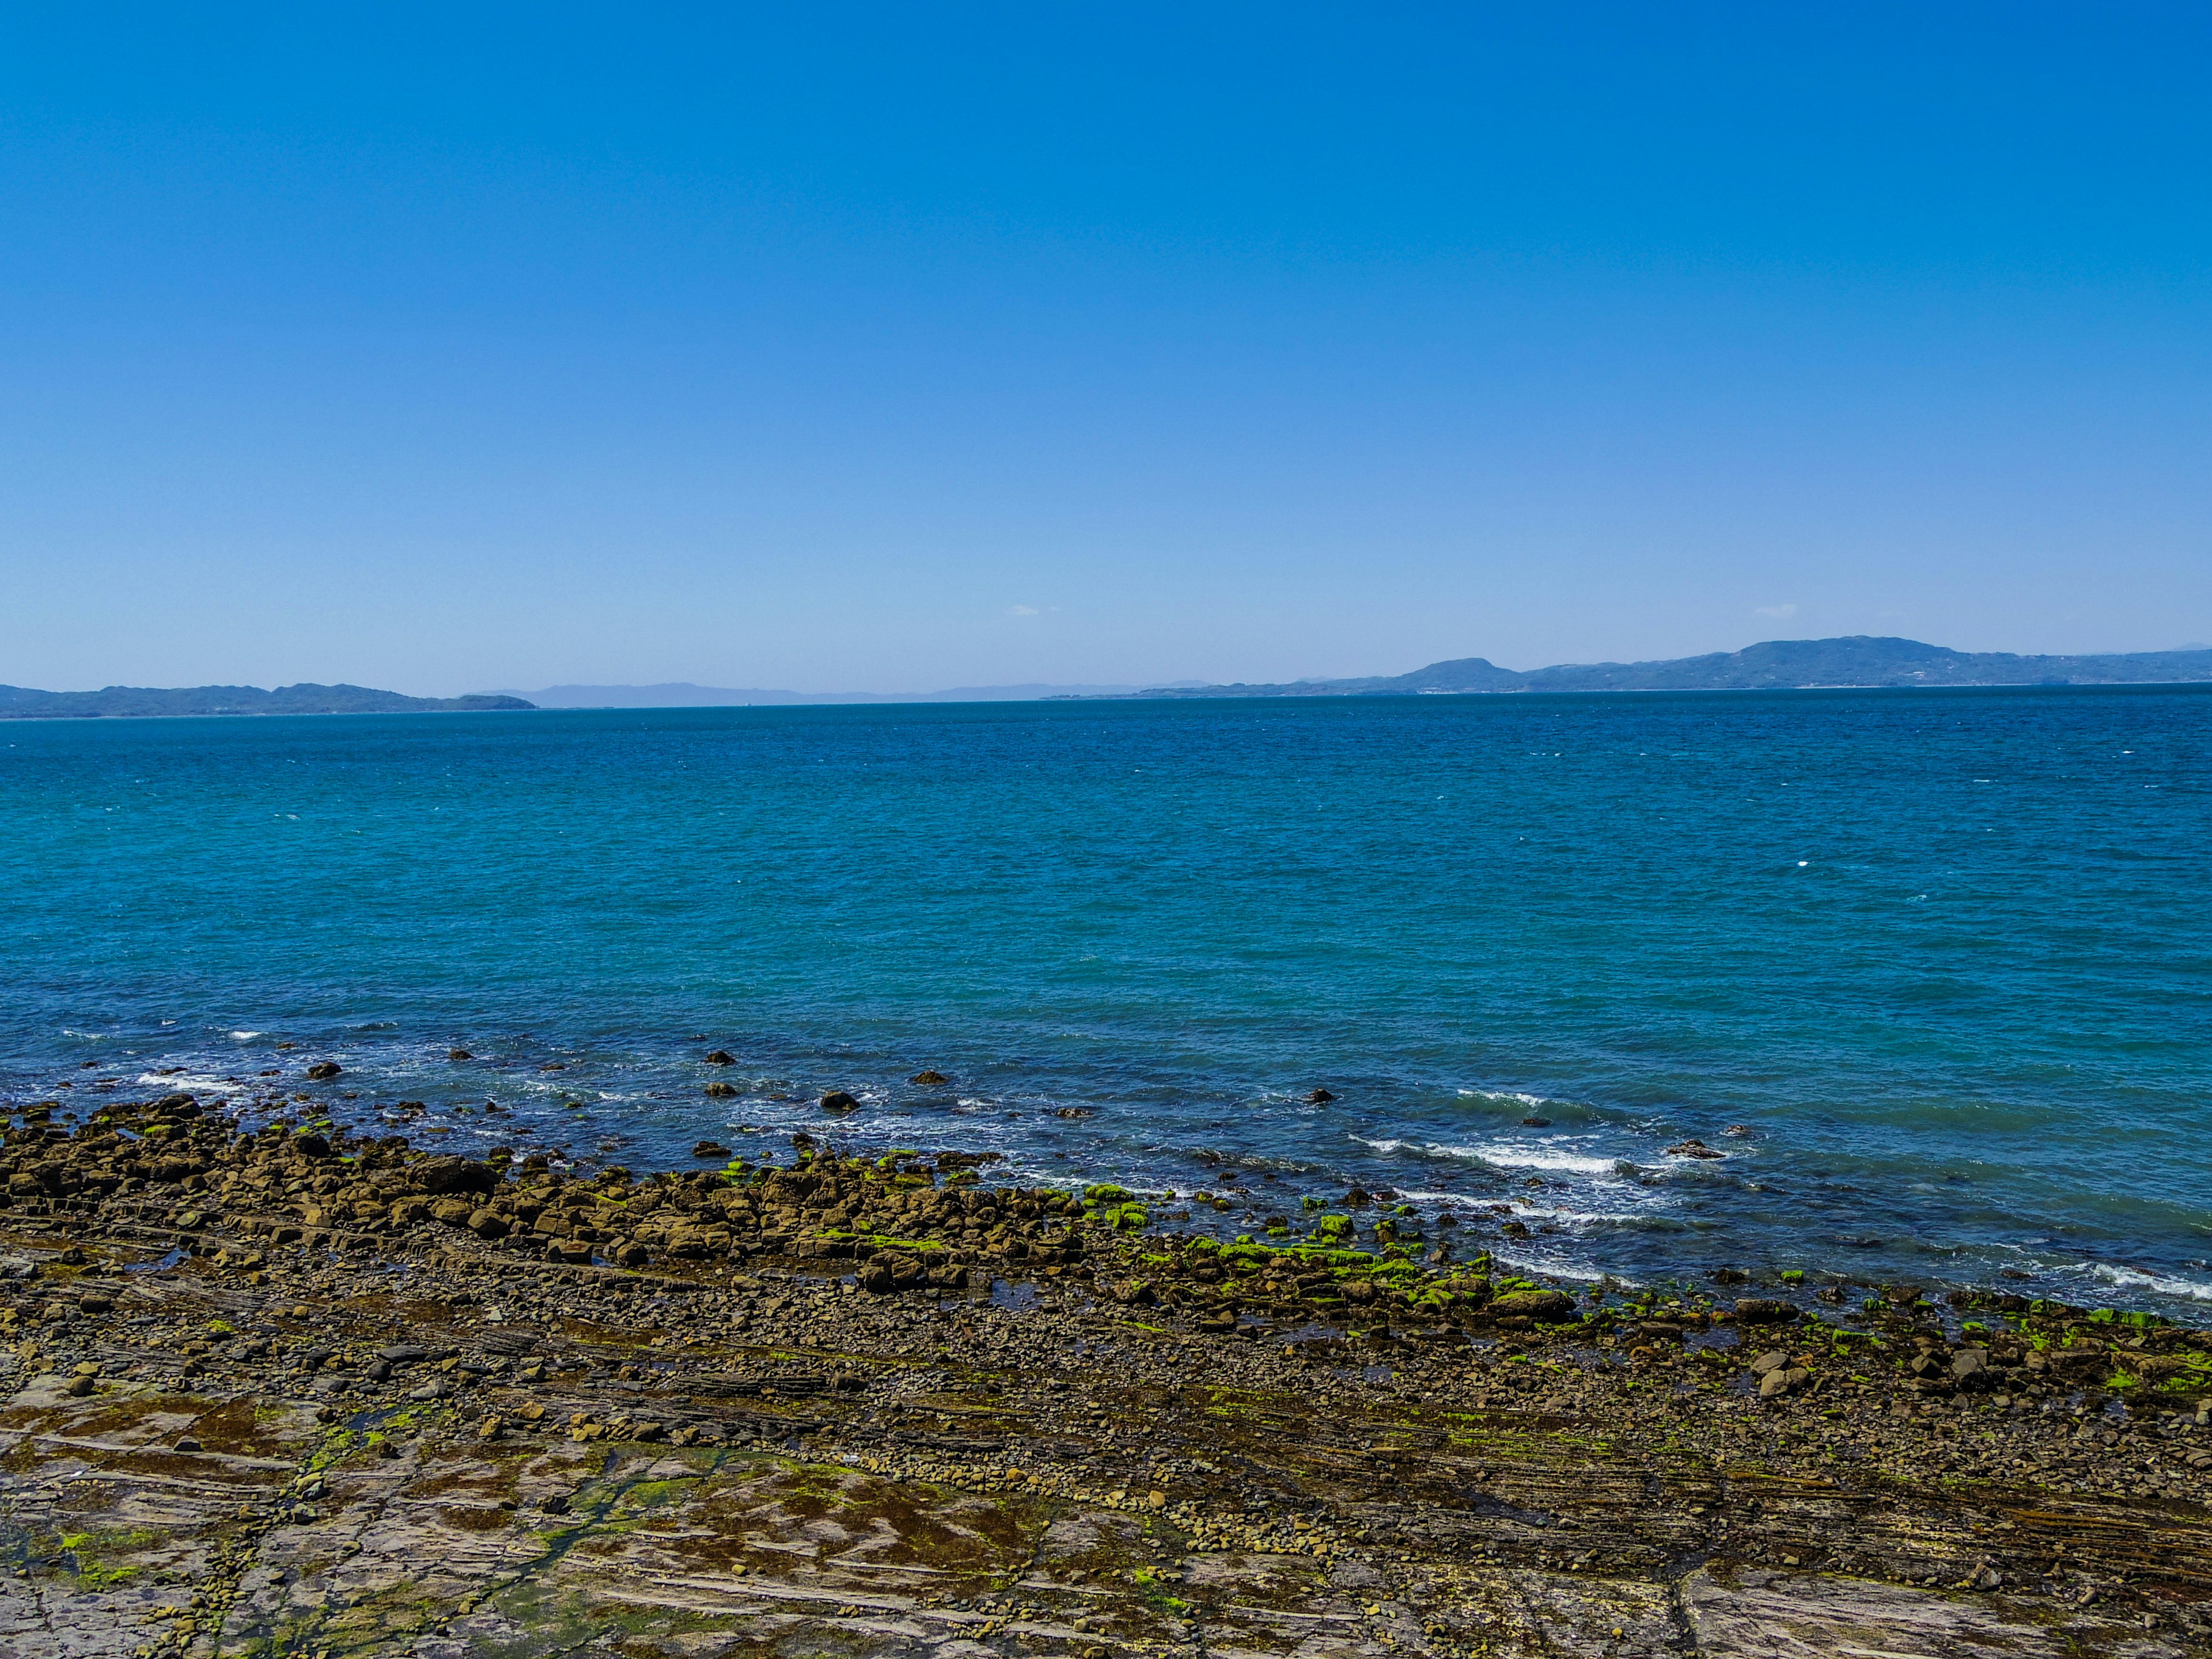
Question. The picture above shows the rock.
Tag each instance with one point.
(722, 1091)
(1970, 1367)
(1730, 1276)
(441, 1175)
(1545, 1307)
(838, 1100)
(710, 1149)
(722, 1057)
(928, 1079)
(1319, 1097)
(488, 1224)
(1072, 1111)
(459, 1054)
(1773, 1360)
(323, 1070)
(1535, 1123)
(1692, 1147)
(311, 1146)
(1765, 1310)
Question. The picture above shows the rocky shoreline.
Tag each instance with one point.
(296, 1392)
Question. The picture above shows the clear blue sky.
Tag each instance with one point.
(904, 346)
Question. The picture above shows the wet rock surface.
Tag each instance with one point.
(297, 1393)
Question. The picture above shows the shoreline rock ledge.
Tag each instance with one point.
(293, 1392)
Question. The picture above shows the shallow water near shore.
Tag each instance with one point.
(1943, 958)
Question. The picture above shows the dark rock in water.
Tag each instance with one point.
(323, 1070)
(1693, 1148)
(1359, 1195)
(722, 1057)
(1730, 1276)
(1072, 1111)
(838, 1100)
(710, 1149)
(1545, 1307)
(1535, 1123)
(1740, 1131)
(928, 1079)
(722, 1091)
(459, 1054)
(1765, 1310)
(1900, 1296)
(1319, 1097)
(1515, 1230)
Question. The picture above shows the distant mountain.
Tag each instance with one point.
(1859, 660)
(19, 702)
(682, 695)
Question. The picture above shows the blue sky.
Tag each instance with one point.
(900, 347)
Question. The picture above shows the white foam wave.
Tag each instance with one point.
(1517, 1097)
(2134, 1278)
(184, 1082)
(1501, 1155)
(245, 1037)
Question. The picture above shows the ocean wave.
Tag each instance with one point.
(2138, 1280)
(1515, 1095)
(246, 1036)
(184, 1082)
(1504, 1156)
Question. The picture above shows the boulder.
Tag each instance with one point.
(1766, 1310)
(838, 1100)
(1545, 1307)
(722, 1091)
(441, 1175)
(928, 1079)
(323, 1070)
(1319, 1097)
(722, 1057)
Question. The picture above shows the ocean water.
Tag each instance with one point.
(1934, 969)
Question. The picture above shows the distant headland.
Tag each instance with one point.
(19, 702)
(1858, 661)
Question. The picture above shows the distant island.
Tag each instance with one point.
(681, 694)
(1859, 661)
(21, 704)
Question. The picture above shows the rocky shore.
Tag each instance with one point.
(293, 1392)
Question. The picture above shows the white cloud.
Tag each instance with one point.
(1022, 611)
(1777, 612)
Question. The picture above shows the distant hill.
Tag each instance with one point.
(19, 702)
(683, 695)
(1859, 660)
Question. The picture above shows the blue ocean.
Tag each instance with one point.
(1932, 971)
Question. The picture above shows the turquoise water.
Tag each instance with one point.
(1943, 956)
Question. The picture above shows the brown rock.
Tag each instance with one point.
(838, 1100)
(1545, 1307)
(323, 1070)
(1765, 1310)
